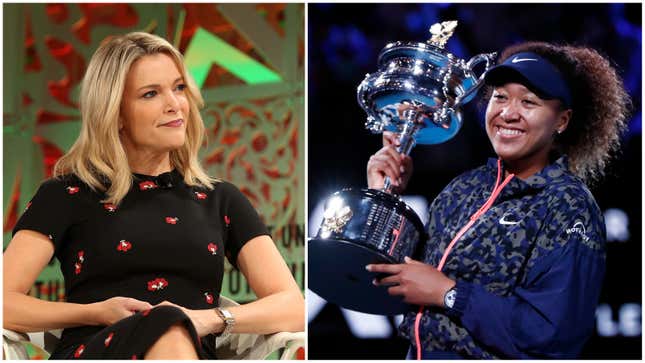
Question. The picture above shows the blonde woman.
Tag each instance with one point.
(139, 228)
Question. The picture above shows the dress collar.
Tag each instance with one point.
(165, 180)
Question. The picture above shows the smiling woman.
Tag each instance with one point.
(139, 228)
(521, 125)
(515, 259)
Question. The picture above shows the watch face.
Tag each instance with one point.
(227, 314)
(449, 299)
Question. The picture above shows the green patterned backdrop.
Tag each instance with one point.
(248, 60)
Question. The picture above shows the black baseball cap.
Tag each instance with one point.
(536, 72)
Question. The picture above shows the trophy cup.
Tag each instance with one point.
(416, 93)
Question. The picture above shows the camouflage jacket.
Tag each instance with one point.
(528, 272)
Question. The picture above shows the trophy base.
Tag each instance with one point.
(341, 277)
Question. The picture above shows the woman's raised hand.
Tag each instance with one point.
(387, 162)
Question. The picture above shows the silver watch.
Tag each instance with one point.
(229, 320)
(450, 297)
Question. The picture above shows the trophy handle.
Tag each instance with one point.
(468, 68)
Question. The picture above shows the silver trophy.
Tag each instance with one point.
(416, 93)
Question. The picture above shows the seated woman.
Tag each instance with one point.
(139, 228)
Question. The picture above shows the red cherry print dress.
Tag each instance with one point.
(165, 241)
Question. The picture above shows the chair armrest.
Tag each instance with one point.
(12, 344)
(43, 343)
(257, 346)
(14, 335)
(291, 342)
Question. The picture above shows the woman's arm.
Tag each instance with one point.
(551, 318)
(280, 305)
(25, 257)
(550, 315)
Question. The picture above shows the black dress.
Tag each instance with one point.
(165, 241)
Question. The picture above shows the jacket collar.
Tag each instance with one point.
(552, 173)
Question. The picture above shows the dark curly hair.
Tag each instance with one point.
(600, 105)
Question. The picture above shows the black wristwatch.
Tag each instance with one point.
(450, 297)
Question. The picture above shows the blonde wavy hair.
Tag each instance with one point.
(98, 157)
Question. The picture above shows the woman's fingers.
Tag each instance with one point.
(388, 162)
(390, 138)
(384, 268)
(167, 303)
(137, 305)
(396, 290)
(392, 157)
(383, 164)
(387, 281)
(392, 153)
(411, 261)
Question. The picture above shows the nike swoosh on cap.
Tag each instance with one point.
(517, 60)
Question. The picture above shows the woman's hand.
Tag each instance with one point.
(417, 282)
(388, 162)
(110, 311)
(205, 321)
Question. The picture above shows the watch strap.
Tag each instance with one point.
(228, 318)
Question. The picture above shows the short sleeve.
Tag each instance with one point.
(50, 211)
(241, 221)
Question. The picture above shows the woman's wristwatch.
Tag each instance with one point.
(450, 297)
(228, 318)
